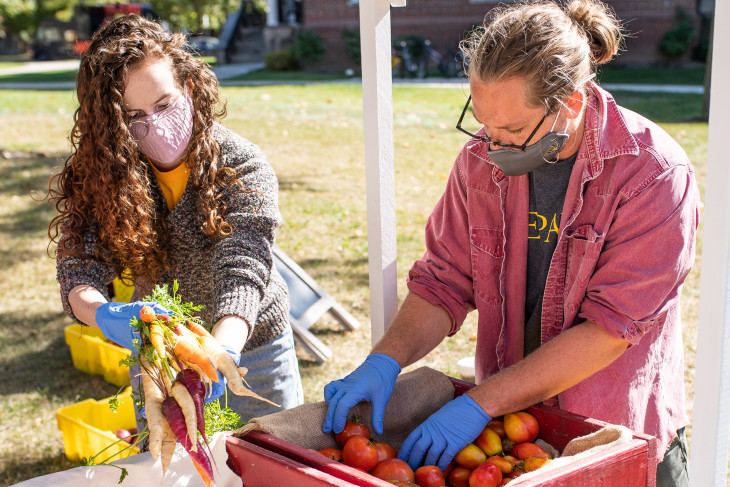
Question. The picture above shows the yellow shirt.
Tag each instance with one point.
(173, 183)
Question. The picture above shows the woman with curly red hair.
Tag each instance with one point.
(157, 186)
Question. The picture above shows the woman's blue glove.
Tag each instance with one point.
(373, 381)
(218, 388)
(444, 433)
(114, 321)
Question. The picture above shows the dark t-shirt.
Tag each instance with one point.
(548, 185)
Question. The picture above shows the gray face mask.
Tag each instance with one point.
(518, 162)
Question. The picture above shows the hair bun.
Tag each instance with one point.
(601, 26)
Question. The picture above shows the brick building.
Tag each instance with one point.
(443, 22)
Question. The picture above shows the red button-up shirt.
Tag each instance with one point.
(626, 244)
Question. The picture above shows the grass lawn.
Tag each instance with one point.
(312, 135)
(266, 75)
(662, 76)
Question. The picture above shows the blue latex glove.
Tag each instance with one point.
(113, 320)
(218, 388)
(444, 433)
(373, 381)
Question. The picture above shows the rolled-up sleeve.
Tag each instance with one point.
(444, 276)
(647, 253)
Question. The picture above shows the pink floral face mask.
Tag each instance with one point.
(164, 136)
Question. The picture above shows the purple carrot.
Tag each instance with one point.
(191, 380)
(175, 418)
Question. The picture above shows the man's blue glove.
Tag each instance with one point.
(373, 381)
(218, 388)
(444, 433)
(113, 320)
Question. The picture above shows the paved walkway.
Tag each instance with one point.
(228, 71)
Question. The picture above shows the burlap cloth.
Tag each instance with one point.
(417, 395)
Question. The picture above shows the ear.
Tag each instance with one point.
(574, 103)
(189, 85)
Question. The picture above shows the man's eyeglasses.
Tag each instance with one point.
(140, 128)
(486, 139)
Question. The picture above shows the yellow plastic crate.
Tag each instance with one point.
(91, 353)
(88, 428)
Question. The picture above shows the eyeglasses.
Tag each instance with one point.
(490, 141)
(140, 128)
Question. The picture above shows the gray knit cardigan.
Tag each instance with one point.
(233, 275)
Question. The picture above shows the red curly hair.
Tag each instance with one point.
(104, 186)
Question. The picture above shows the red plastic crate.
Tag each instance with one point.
(260, 458)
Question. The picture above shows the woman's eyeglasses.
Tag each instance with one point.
(486, 139)
(140, 128)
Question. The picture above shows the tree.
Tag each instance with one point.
(188, 14)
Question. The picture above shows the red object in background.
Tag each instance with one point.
(263, 459)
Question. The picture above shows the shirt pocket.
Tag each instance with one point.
(584, 246)
(487, 253)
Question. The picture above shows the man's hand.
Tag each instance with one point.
(444, 433)
(373, 381)
(114, 319)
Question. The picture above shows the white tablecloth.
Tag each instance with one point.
(144, 471)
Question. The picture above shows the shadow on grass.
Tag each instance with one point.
(22, 331)
(22, 469)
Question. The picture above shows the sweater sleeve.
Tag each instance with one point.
(75, 271)
(243, 261)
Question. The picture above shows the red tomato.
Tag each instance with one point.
(459, 477)
(525, 450)
(485, 475)
(533, 463)
(489, 441)
(497, 426)
(471, 456)
(384, 451)
(521, 427)
(449, 468)
(352, 428)
(332, 453)
(393, 469)
(359, 452)
(505, 481)
(430, 476)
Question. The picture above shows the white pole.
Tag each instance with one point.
(711, 414)
(377, 99)
(272, 13)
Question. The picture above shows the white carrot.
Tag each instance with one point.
(185, 400)
(153, 409)
(228, 367)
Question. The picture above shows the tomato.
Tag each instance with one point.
(384, 451)
(525, 450)
(504, 465)
(489, 441)
(403, 484)
(393, 469)
(497, 426)
(430, 476)
(533, 463)
(521, 427)
(352, 428)
(332, 453)
(505, 481)
(449, 468)
(485, 475)
(471, 456)
(459, 477)
(359, 452)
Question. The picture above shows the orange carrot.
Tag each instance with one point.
(189, 351)
(198, 329)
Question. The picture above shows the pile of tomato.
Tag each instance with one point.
(504, 450)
